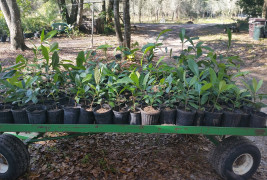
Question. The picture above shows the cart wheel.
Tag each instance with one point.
(236, 158)
(14, 157)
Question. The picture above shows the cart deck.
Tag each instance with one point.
(92, 128)
(235, 157)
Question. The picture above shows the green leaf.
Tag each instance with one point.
(222, 86)
(97, 75)
(193, 66)
(42, 36)
(162, 32)
(15, 67)
(204, 99)
(55, 60)
(213, 77)
(8, 74)
(193, 81)
(88, 77)
(146, 79)
(125, 80)
(159, 61)
(206, 87)
(135, 79)
(54, 47)
(80, 59)
(45, 53)
(259, 85)
(50, 35)
(182, 35)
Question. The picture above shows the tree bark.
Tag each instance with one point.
(117, 22)
(140, 11)
(264, 10)
(127, 23)
(104, 10)
(69, 18)
(11, 12)
(80, 13)
(110, 10)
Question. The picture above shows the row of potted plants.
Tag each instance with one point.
(201, 84)
(40, 114)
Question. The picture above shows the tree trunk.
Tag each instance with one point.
(140, 11)
(104, 10)
(117, 22)
(11, 12)
(127, 23)
(110, 10)
(69, 18)
(80, 13)
(74, 12)
(264, 10)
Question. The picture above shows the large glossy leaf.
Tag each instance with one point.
(80, 59)
(162, 32)
(193, 66)
(45, 53)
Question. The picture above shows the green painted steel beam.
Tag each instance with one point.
(97, 128)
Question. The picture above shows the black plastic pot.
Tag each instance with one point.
(55, 116)
(231, 119)
(105, 117)
(71, 115)
(3, 38)
(86, 117)
(20, 116)
(244, 120)
(6, 116)
(150, 118)
(28, 35)
(135, 118)
(185, 118)
(121, 117)
(199, 118)
(167, 116)
(258, 120)
(36, 114)
(212, 118)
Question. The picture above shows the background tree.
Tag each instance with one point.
(264, 9)
(69, 17)
(127, 23)
(110, 10)
(252, 7)
(80, 13)
(117, 21)
(12, 16)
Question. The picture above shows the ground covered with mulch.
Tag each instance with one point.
(122, 156)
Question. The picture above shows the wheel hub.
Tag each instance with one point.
(243, 164)
(3, 164)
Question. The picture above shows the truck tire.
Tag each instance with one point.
(14, 157)
(236, 158)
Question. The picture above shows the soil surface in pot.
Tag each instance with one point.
(150, 109)
(102, 110)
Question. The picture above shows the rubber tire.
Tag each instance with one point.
(16, 154)
(228, 150)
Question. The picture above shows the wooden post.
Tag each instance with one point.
(92, 35)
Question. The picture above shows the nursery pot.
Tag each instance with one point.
(86, 116)
(6, 116)
(121, 117)
(20, 116)
(3, 38)
(212, 118)
(103, 115)
(55, 116)
(199, 118)
(150, 117)
(71, 115)
(135, 118)
(258, 120)
(167, 116)
(185, 118)
(244, 120)
(231, 119)
(36, 114)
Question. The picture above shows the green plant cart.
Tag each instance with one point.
(235, 157)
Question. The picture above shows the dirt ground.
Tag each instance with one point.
(128, 156)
